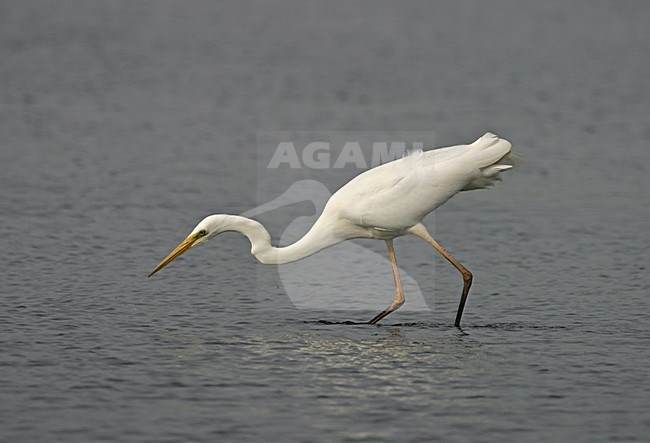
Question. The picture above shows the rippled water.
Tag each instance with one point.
(123, 123)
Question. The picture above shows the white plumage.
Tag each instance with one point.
(383, 203)
(398, 195)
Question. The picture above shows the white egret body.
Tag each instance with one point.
(350, 291)
(382, 203)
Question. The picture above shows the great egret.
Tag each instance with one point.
(382, 203)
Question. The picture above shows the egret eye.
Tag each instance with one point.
(202, 233)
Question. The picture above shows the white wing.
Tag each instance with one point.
(399, 194)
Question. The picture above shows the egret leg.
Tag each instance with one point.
(421, 232)
(399, 294)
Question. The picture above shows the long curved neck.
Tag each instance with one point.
(319, 237)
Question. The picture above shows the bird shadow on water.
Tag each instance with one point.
(421, 325)
(391, 328)
(463, 330)
(343, 323)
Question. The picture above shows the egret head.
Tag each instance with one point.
(204, 231)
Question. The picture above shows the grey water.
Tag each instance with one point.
(123, 123)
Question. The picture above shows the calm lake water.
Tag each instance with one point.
(123, 123)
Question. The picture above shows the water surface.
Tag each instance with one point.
(124, 123)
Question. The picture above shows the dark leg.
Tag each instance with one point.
(421, 232)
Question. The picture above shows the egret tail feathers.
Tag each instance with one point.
(492, 155)
(489, 150)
